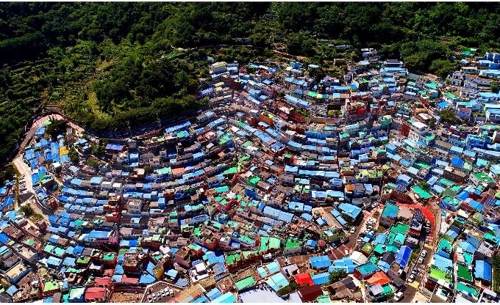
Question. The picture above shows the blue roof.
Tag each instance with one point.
(482, 270)
(201, 299)
(147, 279)
(442, 105)
(453, 232)
(321, 278)
(380, 239)
(311, 243)
(228, 297)
(4, 239)
(456, 161)
(403, 256)
(214, 293)
(463, 195)
(115, 147)
(442, 263)
(12, 290)
(390, 211)
(466, 246)
(345, 264)
(320, 262)
(351, 210)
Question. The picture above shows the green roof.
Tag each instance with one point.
(387, 289)
(422, 165)
(83, 260)
(421, 192)
(391, 248)
(431, 85)
(367, 248)
(245, 145)
(468, 257)
(292, 243)
(30, 242)
(232, 170)
(483, 177)
(400, 229)
(59, 251)
(222, 189)
(323, 299)
(245, 283)
(367, 268)
(469, 290)
(49, 248)
(464, 273)
(444, 245)
(267, 243)
(450, 95)
(246, 239)
(400, 238)
(50, 286)
(76, 292)
(440, 275)
(232, 258)
(379, 249)
(164, 171)
(72, 270)
(253, 180)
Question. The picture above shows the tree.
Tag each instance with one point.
(27, 210)
(56, 128)
(336, 276)
(73, 155)
(448, 116)
(496, 273)
(494, 87)
(7, 173)
(97, 150)
(148, 170)
(285, 290)
(424, 185)
(93, 163)
(432, 123)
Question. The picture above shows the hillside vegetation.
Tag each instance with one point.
(106, 64)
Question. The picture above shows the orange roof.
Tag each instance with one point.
(379, 278)
(349, 187)
(178, 171)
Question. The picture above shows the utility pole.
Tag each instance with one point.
(158, 120)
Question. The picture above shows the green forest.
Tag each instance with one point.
(106, 64)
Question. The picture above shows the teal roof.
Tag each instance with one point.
(390, 211)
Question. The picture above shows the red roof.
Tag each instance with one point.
(304, 279)
(109, 272)
(309, 294)
(95, 293)
(102, 281)
(129, 280)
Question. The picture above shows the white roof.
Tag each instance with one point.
(200, 267)
(419, 125)
(359, 258)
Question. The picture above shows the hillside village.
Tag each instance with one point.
(289, 188)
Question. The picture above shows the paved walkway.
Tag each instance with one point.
(24, 169)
